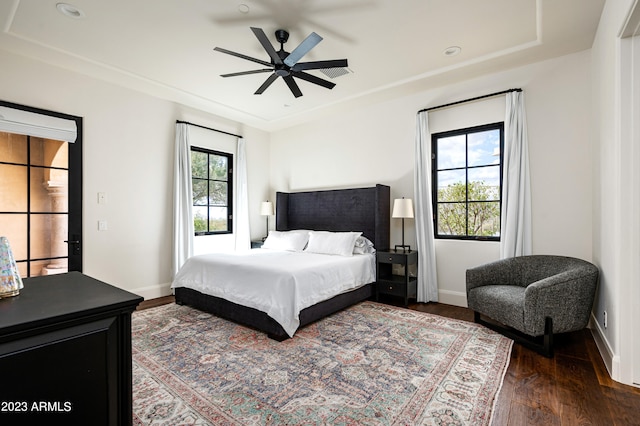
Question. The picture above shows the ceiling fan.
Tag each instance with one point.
(284, 64)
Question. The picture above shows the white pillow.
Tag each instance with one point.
(286, 240)
(338, 243)
(363, 245)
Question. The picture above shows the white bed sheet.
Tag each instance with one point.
(278, 283)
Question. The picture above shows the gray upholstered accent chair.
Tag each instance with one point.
(536, 295)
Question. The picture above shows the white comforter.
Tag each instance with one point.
(279, 283)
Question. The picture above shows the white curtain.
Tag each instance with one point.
(183, 232)
(243, 234)
(515, 238)
(427, 276)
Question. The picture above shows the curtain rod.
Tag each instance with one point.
(208, 128)
(470, 100)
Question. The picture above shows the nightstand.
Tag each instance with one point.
(257, 244)
(402, 284)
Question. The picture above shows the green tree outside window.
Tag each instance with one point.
(212, 195)
(467, 182)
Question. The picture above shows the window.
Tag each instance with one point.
(467, 182)
(212, 191)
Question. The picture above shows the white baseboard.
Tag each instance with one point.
(454, 298)
(610, 360)
(154, 291)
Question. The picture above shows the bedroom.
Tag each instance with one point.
(577, 166)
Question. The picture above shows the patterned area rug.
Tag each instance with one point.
(371, 364)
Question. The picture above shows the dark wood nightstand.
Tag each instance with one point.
(256, 244)
(387, 283)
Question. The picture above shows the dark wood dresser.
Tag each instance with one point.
(65, 352)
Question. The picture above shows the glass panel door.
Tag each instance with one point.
(34, 203)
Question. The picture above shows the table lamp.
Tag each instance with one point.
(10, 281)
(402, 209)
(266, 209)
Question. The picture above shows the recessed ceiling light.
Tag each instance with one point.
(70, 10)
(243, 8)
(451, 51)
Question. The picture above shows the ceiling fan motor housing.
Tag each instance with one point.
(282, 36)
(282, 70)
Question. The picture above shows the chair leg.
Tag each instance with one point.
(548, 338)
(545, 348)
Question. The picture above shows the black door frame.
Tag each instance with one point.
(74, 236)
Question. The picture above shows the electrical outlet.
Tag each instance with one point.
(102, 198)
(604, 321)
(102, 225)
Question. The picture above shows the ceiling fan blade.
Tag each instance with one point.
(240, 55)
(302, 49)
(266, 44)
(313, 79)
(234, 74)
(266, 84)
(315, 65)
(293, 86)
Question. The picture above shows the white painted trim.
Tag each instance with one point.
(603, 345)
(631, 26)
(154, 291)
(627, 368)
(454, 298)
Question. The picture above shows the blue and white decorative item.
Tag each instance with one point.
(10, 281)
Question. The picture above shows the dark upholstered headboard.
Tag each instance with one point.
(361, 209)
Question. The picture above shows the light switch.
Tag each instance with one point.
(102, 225)
(102, 198)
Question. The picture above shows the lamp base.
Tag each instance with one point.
(10, 293)
(405, 248)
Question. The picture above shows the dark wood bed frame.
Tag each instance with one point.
(360, 209)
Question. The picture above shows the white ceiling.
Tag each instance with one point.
(165, 47)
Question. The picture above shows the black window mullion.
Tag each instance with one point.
(466, 183)
(208, 192)
(210, 178)
(28, 206)
(467, 203)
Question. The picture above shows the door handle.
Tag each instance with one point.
(76, 246)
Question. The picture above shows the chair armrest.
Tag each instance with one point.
(500, 272)
(566, 297)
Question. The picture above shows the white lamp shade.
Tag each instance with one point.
(266, 209)
(402, 208)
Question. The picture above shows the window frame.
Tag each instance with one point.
(229, 182)
(434, 178)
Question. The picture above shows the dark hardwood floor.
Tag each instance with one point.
(572, 388)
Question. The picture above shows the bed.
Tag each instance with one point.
(365, 210)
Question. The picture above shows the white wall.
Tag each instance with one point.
(375, 144)
(615, 249)
(128, 154)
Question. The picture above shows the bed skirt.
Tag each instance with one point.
(259, 320)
